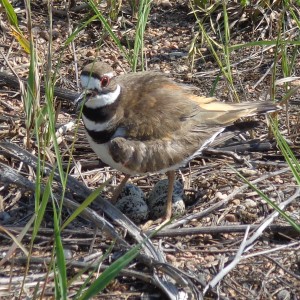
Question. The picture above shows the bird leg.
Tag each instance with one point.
(118, 189)
(171, 180)
(168, 213)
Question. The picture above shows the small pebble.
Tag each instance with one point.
(247, 172)
(250, 203)
(166, 43)
(230, 218)
(165, 4)
(221, 196)
(236, 201)
(45, 35)
(209, 258)
(278, 179)
(68, 253)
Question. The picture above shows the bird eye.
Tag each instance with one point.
(104, 81)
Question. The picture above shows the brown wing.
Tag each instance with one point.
(156, 108)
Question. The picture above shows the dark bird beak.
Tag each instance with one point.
(78, 102)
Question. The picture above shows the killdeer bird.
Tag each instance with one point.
(144, 122)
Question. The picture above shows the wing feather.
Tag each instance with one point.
(157, 108)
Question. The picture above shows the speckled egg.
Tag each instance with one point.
(157, 199)
(131, 203)
(131, 190)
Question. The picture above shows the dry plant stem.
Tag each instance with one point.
(264, 76)
(75, 9)
(18, 279)
(253, 56)
(271, 218)
(93, 265)
(248, 244)
(264, 252)
(16, 77)
(250, 146)
(173, 232)
(222, 203)
(14, 246)
(219, 230)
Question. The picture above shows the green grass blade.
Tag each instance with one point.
(85, 204)
(144, 10)
(14, 26)
(43, 205)
(288, 154)
(10, 12)
(61, 279)
(91, 274)
(110, 273)
(223, 60)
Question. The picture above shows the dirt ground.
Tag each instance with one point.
(207, 237)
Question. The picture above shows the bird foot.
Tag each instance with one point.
(161, 222)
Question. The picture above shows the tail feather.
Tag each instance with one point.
(265, 107)
(215, 112)
(242, 126)
(233, 130)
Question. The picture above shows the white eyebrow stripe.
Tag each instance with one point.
(90, 83)
(109, 74)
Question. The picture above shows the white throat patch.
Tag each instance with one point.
(102, 100)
